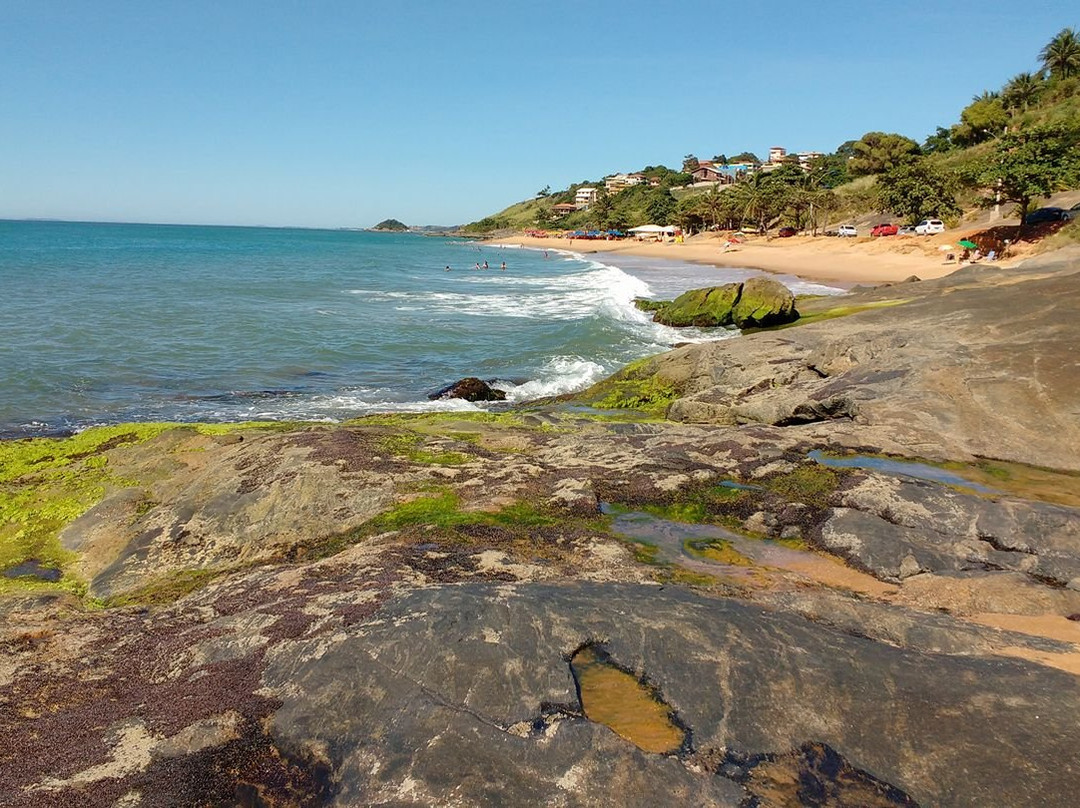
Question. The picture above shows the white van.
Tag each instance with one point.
(847, 230)
(927, 227)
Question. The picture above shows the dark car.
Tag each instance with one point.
(1044, 215)
(787, 232)
(885, 229)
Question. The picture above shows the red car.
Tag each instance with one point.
(885, 229)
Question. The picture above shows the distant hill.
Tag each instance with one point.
(391, 225)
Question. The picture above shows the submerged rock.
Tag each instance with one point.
(470, 389)
(755, 303)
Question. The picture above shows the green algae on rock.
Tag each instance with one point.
(701, 307)
(763, 302)
(755, 303)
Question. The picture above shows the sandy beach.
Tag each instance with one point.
(833, 260)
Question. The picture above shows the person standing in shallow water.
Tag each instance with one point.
(503, 267)
(485, 265)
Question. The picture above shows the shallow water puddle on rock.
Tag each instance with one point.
(899, 468)
(712, 550)
(614, 698)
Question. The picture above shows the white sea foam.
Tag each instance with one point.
(600, 290)
(561, 374)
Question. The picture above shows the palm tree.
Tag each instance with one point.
(1061, 56)
(710, 206)
(1021, 90)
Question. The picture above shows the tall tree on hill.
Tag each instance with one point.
(940, 141)
(1032, 164)
(1021, 91)
(983, 119)
(1061, 56)
(876, 152)
(690, 164)
(746, 157)
(600, 210)
(916, 190)
(660, 206)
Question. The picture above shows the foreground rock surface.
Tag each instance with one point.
(383, 612)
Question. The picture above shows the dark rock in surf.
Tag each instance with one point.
(470, 389)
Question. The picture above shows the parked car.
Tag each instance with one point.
(927, 227)
(786, 232)
(1043, 215)
(885, 229)
(906, 230)
(847, 230)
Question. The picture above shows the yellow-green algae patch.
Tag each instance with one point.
(616, 699)
(635, 387)
(831, 313)
(410, 445)
(1031, 482)
(718, 550)
(45, 483)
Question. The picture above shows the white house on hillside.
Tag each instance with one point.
(617, 182)
(584, 198)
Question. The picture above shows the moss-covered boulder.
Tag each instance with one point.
(764, 302)
(701, 307)
(755, 303)
(644, 304)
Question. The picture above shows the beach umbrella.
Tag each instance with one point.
(968, 245)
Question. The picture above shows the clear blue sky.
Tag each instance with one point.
(344, 113)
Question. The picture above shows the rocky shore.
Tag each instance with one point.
(838, 562)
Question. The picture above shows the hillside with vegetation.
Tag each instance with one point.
(1011, 147)
(391, 226)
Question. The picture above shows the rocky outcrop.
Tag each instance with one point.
(757, 302)
(336, 685)
(386, 611)
(898, 528)
(701, 307)
(764, 302)
(470, 389)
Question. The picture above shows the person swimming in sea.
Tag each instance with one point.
(477, 265)
(485, 265)
(447, 267)
(503, 267)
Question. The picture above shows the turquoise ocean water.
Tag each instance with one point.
(128, 322)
